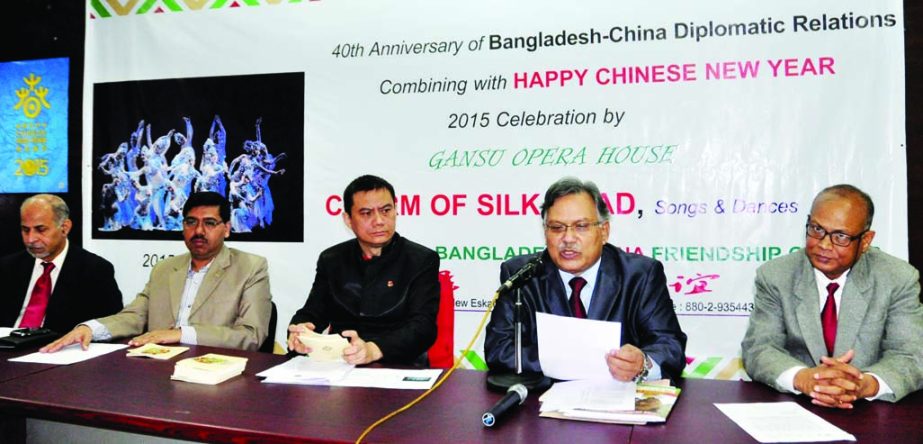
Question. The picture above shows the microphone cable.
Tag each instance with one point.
(458, 361)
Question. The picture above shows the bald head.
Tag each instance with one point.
(857, 200)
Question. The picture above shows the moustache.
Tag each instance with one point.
(199, 236)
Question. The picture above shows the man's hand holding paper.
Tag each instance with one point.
(294, 331)
(323, 347)
(625, 363)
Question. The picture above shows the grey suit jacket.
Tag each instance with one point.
(880, 318)
(231, 309)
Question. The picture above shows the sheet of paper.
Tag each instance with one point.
(607, 395)
(571, 348)
(782, 422)
(306, 371)
(70, 354)
(5, 331)
(390, 378)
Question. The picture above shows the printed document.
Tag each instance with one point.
(782, 422)
(71, 354)
(306, 371)
(599, 396)
(391, 378)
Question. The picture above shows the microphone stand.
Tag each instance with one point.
(532, 380)
(517, 323)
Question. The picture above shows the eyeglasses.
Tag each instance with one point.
(209, 223)
(579, 227)
(838, 238)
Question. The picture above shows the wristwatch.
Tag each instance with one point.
(645, 369)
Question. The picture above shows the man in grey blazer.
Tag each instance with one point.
(214, 295)
(868, 343)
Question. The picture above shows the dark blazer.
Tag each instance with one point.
(630, 289)
(391, 300)
(85, 289)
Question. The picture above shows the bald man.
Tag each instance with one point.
(838, 320)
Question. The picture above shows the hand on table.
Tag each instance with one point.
(171, 336)
(80, 334)
(835, 382)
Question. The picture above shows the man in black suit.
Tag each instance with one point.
(78, 285)
(610, 285)
(380, 290)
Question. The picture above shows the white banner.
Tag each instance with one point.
(709, 126)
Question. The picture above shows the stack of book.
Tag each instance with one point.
(604, 402)
(209, 369)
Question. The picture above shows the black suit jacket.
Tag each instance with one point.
(630, 289)
(85, 289)
(391, 300)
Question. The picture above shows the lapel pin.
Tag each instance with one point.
(390, 284)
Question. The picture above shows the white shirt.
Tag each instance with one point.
(190, 290)
(822, 283)
(586, 294)
(37, 271)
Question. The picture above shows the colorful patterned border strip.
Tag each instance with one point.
(117, 8)
(473, 361)
(715, 367)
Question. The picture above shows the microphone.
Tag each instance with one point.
(522, 275)
(515, 396)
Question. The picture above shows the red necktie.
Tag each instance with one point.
(41, 292)
(828, 318)
(576, 284)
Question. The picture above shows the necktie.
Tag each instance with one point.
(576, 284)
(828, 318)
(41, 292)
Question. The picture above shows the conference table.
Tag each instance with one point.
(137, 395)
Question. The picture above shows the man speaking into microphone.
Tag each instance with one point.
(583, 276)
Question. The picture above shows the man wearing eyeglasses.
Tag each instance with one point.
(214, 295)
(838, 321)
(583, 276)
